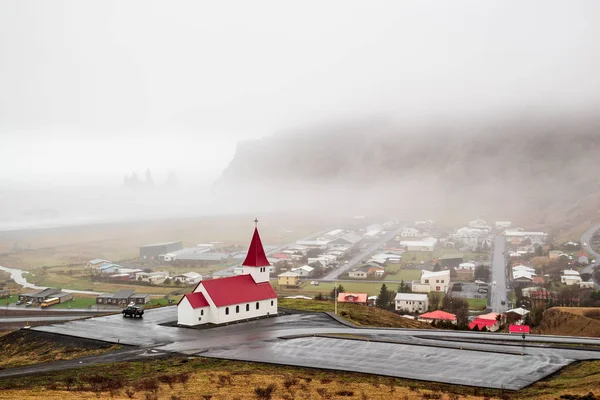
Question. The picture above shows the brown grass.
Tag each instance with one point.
(355, 313)
(570, 321)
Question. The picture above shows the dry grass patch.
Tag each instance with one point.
(22, 347)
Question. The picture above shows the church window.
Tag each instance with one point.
(201, 312)
(257, 305)
(226, 310)
(237, 309)
(247, 307)
(271, 303)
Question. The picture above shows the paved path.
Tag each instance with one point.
(499, 293)
(456, 357)
(361, 256)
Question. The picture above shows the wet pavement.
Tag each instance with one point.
(456, 357)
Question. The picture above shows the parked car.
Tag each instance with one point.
(19, 302)
(133, 312)
(28, 304)
(482, 290)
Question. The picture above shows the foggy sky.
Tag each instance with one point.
(101, 89)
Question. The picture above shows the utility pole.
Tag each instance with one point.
(335, 289)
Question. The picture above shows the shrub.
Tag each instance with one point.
(323, 393)
(290, 381)
(173, 397)
(224, 379)
(151, 396)
(168, 379)
(183, 377)
(148, 384)
(207, 396)
(129, 392)
(325, 381)
(265, 393)
(348, 393)
(432, 396)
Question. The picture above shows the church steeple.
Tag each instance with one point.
(256, 263)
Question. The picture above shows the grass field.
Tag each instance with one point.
(204, 378)
(477, 304)
(325, 288)
(416, 257)
(77, 302)
(398, 274)
(121, 241)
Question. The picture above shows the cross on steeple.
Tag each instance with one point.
(256, 222)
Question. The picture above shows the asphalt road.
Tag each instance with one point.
(586, 238)
(467, 358)
(498, 291)
(361, 256)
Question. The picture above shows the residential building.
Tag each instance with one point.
(39, 296)
(304, 270)
(410, 232)
(464, 274)
(554, 254)
(438, 315)
(234, 298)
(411, 302)
(152, 251)
(122, 298)
(359, 273)
(189, 253)
(583, 258)
(479, 224)
(432, 282)
(570, 277)
(288, 279)
(349, 240)
(487, 324)
(587, 284)
(355, 298)
(417, 245)
(153, 278)
(501, 225)
(189, 278)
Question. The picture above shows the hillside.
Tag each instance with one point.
(570, 321)
(537, 168)
(355, 313)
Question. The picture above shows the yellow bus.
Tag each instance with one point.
(50, 302)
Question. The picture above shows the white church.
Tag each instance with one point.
(235, 298)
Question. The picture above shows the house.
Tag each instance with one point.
(464, 274)
(355, 298)
(288, 279)
(583, 258)
(376, 271)
(189, 278)
(411, 302)
(523, 276)
(40, 295)
(303, 271)
(479, 224)
(500, 225)
(450, 261)
(468, 264)
(153, 278)
(189, 253)
(234, 298)
(437, 315)
(570, 277)
(587, 284)
(349, 240)
(488, 324)
(432, 282)
(95, 263)
(359, 273)
(410, 232)
(122, 298)
(334, 233)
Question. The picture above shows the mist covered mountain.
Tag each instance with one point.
(543, 169)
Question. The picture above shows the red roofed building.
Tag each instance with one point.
(480, 323)
(357, 298)
(235, 298)
(437, 315)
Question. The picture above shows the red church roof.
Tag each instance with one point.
(256, 254)
(438, 314)
(197, 300)
(238, 289)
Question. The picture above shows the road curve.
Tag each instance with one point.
(585, 238)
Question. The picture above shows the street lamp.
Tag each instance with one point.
(335, 296)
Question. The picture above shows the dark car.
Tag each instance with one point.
(133, 311)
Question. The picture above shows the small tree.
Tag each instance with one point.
(437, 267)
(404, 288)
(384, 299)
(340, 289)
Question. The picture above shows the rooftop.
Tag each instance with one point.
(237, 289)
(411, 297)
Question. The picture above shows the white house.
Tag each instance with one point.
(411, 302)
(349, 240)
(417, 245)
(153, 278)
(410, 232)
(235, 298)
(189, 278)
(587, 284)
(359, 273)
(570, 277)
(503, 224)
(432, 282)
(479, 224)
(305, 270)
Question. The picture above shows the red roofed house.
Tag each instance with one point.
(234, 298)
(480, 323)
(357, 298)
(437, 315)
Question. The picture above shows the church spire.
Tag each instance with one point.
(256, 256)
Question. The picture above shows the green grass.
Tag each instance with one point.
(477, 304)
(77, 302)
(416, 257)
(398, 274)
(325, 288)
(10, 300)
